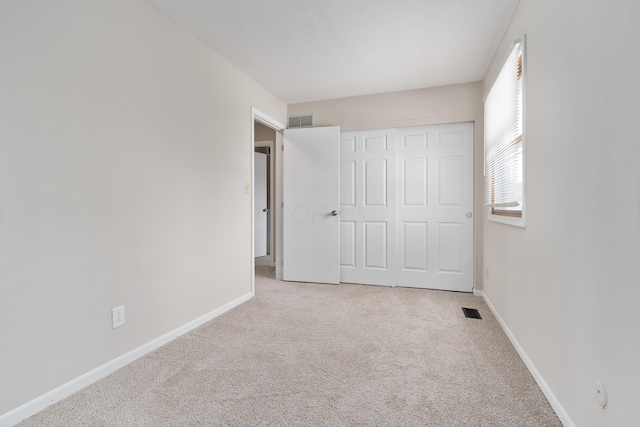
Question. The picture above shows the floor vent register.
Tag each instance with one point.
(471, 313)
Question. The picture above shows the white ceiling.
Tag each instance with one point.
(306, 50)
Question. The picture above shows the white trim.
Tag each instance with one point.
(510, 220)
(259, 116)
(553, 400)
(279, 203)
(253, 203)
(272, 187)
(478, 293)
(40, 403)
(502, 205)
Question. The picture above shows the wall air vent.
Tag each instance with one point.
(305, 120)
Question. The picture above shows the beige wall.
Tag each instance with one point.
(446, 104)
(264, 133)
(124, 148)
(567, 284)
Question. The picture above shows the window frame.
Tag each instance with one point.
(495, 214)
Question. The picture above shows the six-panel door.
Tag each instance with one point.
(367, 206)
(406, 198)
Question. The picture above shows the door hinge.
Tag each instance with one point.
(282, 147)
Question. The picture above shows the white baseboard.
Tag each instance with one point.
(38, 404)
(477, 293)
(553, 401)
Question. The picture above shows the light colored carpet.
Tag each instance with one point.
(323, 355)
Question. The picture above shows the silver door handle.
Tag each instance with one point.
(469, 214)
(334, 213)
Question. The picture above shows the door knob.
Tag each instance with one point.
(265, 210)
(469, 214)
(334, 213)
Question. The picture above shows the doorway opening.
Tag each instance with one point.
(263, 194)
(266, 221)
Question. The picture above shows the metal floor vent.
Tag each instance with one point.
(471, 313)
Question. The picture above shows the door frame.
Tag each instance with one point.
(261, 160)
(258, 116)
(272, 191)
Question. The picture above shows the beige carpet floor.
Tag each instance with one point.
(322, 355)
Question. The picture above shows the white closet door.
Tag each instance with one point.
(406, 201)
(367, 207)
(435, 207)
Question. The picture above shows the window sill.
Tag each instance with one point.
(509, 220)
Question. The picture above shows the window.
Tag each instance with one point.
(504, 140)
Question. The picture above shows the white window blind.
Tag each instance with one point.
(504, 140)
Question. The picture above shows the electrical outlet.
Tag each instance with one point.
(117, 316)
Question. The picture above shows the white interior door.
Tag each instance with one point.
(261, 214)
(367, 207)
(311, 199)
(435, 224)
(406, 207)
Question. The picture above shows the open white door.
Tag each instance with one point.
(261, 214)
(311, 194)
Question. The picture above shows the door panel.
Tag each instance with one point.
(368, 211)
(375, 245)
(437, 164)
(450, 248)
(375, 143)
(348, 244)
(413, 141)
(414, 182)
(451, 139)
(261, 216)
(347, 143)
(375, 183)
(450, 181)
(415, 239)
(311, 191)
(348, 183)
